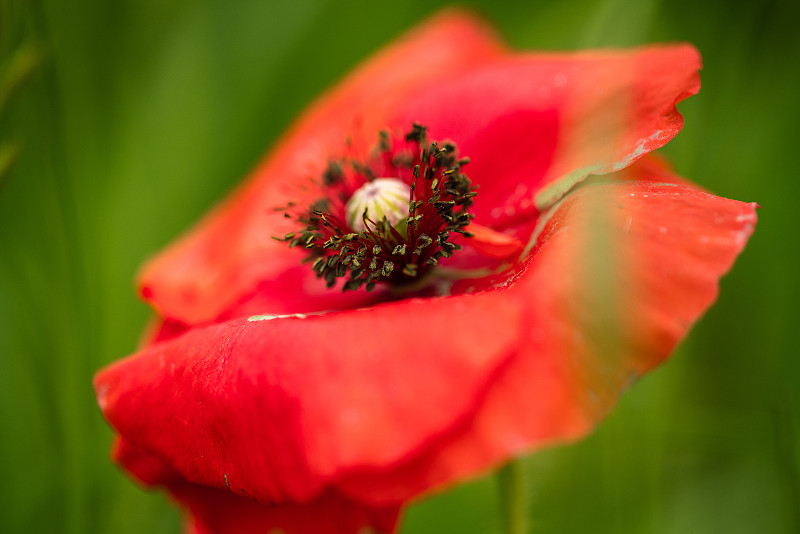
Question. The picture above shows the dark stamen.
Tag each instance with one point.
(387, 252)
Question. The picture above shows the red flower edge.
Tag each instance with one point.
(279, 411)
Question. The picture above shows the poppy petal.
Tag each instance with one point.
(213, 511)
(231, 251)
(277, 407)
(534, 125)
(492, 244)
(618, 274)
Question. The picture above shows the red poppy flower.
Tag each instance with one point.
(266, 400)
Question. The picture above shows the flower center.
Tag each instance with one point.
(381, 198)
(368, 228)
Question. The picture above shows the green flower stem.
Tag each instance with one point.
(513, 498)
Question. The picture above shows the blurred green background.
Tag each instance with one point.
(140, 114)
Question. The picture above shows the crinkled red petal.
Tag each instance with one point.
(278, 406)
(617, 276)
(213, 511)
(536, 124)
